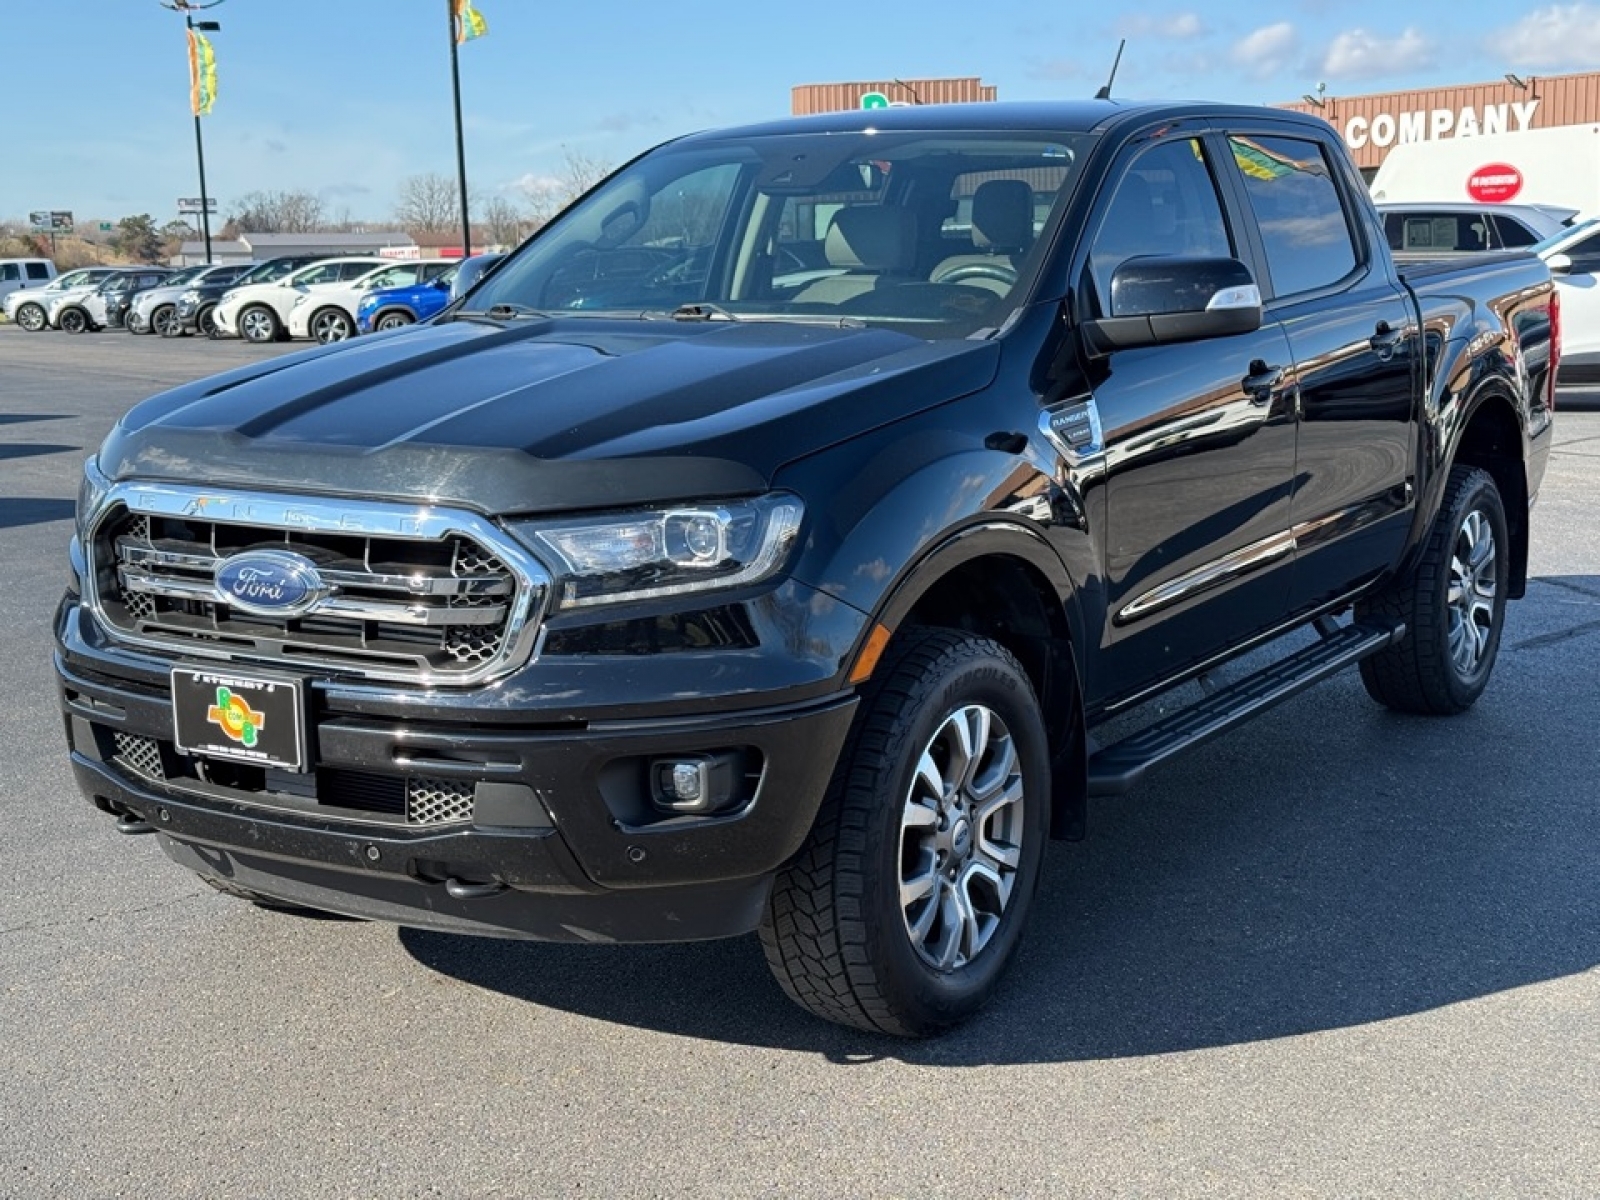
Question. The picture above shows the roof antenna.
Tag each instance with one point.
(1105, 92)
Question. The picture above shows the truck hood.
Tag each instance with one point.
(543, 414)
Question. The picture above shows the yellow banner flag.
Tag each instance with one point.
(469, 22)
(202, 74)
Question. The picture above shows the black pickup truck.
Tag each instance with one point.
(767, 544)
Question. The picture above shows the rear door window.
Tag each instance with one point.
(38, 271)
(1304, 226)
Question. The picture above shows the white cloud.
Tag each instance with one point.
(1358, 54)
(1176, 26)
(1262, 53)
(1561, 36)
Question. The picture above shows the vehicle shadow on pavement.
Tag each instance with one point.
(17, 510)
(1330, 865)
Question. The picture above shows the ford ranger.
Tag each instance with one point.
(769, 543)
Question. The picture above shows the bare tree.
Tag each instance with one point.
(504, 224)
(429, 203)
(276, 212)
(549, 194)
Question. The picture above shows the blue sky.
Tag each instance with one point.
(345, 98)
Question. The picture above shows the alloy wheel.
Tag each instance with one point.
(961, 830)
(1472, 592)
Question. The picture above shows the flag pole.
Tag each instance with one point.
(200, 153)
(461, 148)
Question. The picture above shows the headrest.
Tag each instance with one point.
(872, 237)
(1002, 216)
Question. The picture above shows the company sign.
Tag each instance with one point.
(1494, 184)
(1432, 125)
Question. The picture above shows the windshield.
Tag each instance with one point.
(935, 233)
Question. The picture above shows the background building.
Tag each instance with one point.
(1374, 124)
(835, 97)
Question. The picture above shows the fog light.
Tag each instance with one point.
(695, 783)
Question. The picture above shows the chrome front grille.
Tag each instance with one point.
(424, 595)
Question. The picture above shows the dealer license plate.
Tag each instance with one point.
(246, 718)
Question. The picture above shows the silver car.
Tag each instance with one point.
(155, 310)
(30, 309)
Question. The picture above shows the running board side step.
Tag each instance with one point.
(1115, 769)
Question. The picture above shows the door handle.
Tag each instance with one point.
(1261, 382)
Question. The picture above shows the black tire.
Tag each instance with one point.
(259, 324)
(205, 322)
(859, 926)
(32, 317)
(72, 319)
(329, 325)
(1454, 606)
(163, 320)
(395, 318)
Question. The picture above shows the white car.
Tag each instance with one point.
(327, 311)
(30, 309)
(259, 312)
(1573, 257)
(1455, 226)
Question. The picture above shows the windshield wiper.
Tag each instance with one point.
(702, 311)
(503, 312)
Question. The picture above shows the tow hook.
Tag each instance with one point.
(132, 823)
(460, 890)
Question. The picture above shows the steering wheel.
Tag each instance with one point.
(997, 271)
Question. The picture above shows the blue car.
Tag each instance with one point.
(391, 308)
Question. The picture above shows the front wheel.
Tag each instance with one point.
(259, 324)
(907, 902)
(332, 325)
(394, 319)
(162, 321)
(1453, 605)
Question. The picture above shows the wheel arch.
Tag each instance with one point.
(1492, 438)
(1002, 581)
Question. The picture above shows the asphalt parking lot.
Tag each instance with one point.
(1338, 953)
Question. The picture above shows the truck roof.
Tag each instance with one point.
(1071, 116)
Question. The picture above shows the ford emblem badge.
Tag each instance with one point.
(271, 583)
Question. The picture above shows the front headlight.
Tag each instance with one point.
(665, 552)
(226, 296)
(192, 296)
(299, 300)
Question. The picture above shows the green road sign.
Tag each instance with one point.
(105, 226)
(874, 100)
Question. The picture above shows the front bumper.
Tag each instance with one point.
(563, 841)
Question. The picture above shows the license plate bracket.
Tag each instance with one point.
(251, 718)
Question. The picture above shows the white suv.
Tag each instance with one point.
(327, 312)
(30, 308)
(259, 312)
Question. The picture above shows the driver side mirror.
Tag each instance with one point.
(468, 274)
(1156, 300)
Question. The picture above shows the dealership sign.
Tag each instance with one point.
(1431, 125)
(1494, 184)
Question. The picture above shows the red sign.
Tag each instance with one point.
(1494, 184)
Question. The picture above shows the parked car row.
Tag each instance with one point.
(323, 298)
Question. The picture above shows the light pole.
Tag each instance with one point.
(188, 8)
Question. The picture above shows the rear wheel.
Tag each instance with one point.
(259, 324)
(331, 325)
(31, 317)
(906, 904)
(163, 319)
(1453, 606)
(73, 320)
